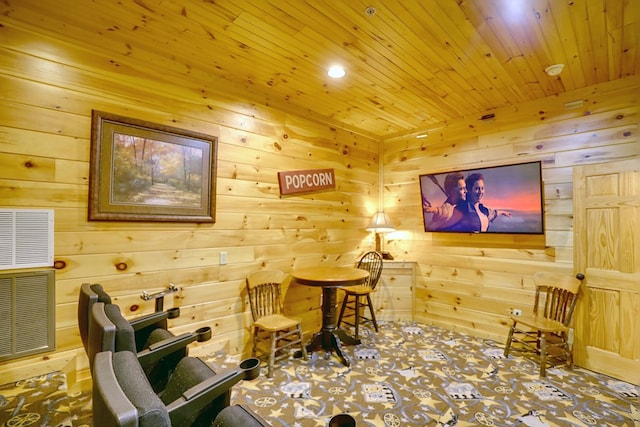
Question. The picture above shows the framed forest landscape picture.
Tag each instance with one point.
(140, 171)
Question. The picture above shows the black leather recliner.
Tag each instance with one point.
(147, 336)
(194, 395)
(90, 293)
(110, 331)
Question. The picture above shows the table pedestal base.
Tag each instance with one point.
(330, 338)
(331, 341)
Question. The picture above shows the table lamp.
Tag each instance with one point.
(380, 223)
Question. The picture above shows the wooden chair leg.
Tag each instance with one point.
(272, 356)
(357, 322)
(254, 350)
(507, 346)
(543, 355)
(569, 357)
(302, 346)
(373, 315)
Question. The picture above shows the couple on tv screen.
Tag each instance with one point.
(503, 199)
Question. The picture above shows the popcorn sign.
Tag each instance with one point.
(306, 181)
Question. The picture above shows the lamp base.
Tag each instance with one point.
(386, 255)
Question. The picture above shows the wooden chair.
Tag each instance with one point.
(269, 323)
(545, 334)
(357, 298)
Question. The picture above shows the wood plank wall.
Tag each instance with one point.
(48, 91)
(393, 299)
(470, 282)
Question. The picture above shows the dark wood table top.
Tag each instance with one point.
(329, 276)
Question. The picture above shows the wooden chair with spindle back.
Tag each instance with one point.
(270, 325)
(545, 333)
(358, 298)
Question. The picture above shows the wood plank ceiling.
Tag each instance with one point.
(410, 65)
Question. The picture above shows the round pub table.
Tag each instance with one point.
(330, 279)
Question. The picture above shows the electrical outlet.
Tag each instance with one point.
(517, 312)
(223, 258)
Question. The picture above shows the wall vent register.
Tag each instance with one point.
(26, 238)
(27, 311)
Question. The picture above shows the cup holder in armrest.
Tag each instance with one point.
(204, 334)
(251, 368)
(342, 420)
(173, 313)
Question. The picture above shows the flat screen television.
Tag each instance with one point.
(500, 199)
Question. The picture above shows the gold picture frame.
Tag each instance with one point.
(141, 171)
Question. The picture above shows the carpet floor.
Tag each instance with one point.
(410, 374)
(44, 401)
(407, 374)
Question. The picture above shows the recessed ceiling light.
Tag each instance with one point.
(422, 135)
(336, 71)
(554, 70)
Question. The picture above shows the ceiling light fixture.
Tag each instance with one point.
(336, 71)
(554, 70)
(422, 135)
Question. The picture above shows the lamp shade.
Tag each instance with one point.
(380, 223)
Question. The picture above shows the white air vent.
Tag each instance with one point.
(26, 238)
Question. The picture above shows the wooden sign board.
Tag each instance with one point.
(306, 181)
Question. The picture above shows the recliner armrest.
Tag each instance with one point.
(144, 326)
(152, 319)
(150, 355)
(197, 399)
(215, 385)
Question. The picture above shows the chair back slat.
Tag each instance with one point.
(371, 262)
(265, 292)
(556, 296)
(546, 335)
(267, 297)
(270, 325)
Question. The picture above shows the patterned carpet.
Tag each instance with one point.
(415, 375)
(43, 401)
(406, 375)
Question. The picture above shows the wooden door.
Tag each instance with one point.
(607, 251)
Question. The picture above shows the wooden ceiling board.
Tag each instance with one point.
(614, 24)
(412, 65)
(573, 73)
(313, 96)
(359, 86)
(455, 90)
(600, 45)
(556, 48)
(458, 89)
(378, 69)
(511, 39)
(625, 26)
(462, 83)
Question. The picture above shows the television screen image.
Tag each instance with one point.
(500, 199)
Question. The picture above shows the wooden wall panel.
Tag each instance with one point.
(45, 127)
(469, 282)
(465, 282)
(394, 296)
